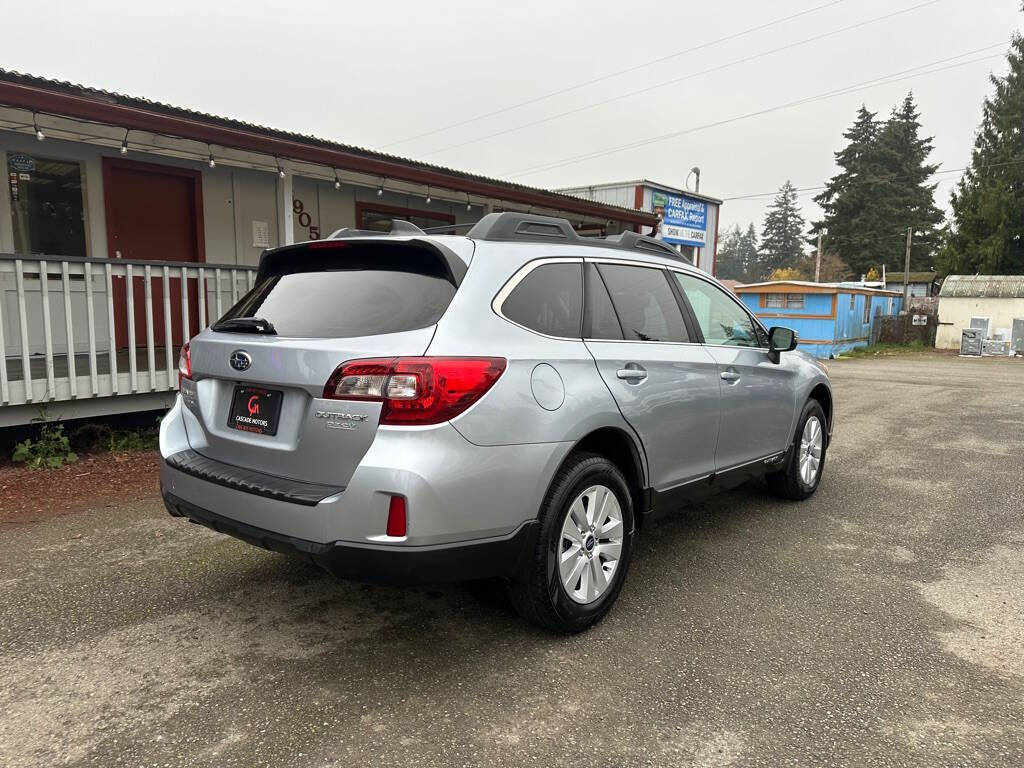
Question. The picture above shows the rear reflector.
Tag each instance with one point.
(396, 516)
(416, 390)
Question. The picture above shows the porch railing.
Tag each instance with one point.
(73, 328)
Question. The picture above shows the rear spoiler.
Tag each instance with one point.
(413, 255)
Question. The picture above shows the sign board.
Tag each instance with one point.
(21, 163)
(260, 234)
(684, 220)
(920, 320)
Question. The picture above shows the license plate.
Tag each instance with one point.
(256, 410)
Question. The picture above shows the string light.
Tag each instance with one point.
(124, 142)
(213, 163)
(468, 206)
(280, 170)
(380, 189)
(427, 201)
(39, 132)
(337, 181)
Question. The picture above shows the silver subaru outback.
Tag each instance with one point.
(515, 403)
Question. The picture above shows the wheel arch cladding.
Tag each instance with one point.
(619, 448)
(822, 394)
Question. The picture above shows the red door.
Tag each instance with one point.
(154, 213)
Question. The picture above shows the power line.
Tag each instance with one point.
(677, 80)
(819, 187)
(874, 82)
(609, 76)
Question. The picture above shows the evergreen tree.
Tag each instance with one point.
(728, 265)
(737, 255)
(751, 258)
(880, 191)
(782, 238)
(850, 199)
(987, 234)
(909, 198)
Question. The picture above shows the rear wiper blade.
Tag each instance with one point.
(246, 325)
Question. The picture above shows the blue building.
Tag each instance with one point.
(830, 318)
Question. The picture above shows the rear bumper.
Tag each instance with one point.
(504, 557)
(455, 491)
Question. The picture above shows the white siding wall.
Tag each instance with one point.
(623, 195)
(916, 289)
(958, 312)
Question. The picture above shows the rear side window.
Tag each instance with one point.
(347, 302)
(646, 307)
(549, 300)
(600, 322)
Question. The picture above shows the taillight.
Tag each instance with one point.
(416, 390)
(184, 364)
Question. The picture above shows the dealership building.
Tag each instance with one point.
(127, 225)
(688, 220)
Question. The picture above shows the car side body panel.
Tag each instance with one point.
(482, 476)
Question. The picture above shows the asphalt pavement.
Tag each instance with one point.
(879, 623)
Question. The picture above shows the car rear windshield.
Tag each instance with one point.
(363, 300)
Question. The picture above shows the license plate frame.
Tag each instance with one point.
(255, 410)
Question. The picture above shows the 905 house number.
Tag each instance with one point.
(305, 220)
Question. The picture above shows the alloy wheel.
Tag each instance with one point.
(591, 544)
(811, 443)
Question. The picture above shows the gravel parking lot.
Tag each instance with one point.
(880, 623)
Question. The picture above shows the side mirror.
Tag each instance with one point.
(781, 340)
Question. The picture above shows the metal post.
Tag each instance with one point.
(284, 203)
(906, 272)
(817, 262)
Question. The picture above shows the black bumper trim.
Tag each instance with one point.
(250, 481)
(508, 557)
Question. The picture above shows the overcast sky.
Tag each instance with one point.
(375, 74)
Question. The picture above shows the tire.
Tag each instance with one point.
(585, 483)
(791, 482)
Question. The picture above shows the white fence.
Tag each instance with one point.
(75, 329)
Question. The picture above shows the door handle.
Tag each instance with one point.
(731, 376)
(632, 373)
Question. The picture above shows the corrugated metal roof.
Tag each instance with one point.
(64, 86)
(983, 286)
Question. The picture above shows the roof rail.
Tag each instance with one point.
(524, 227)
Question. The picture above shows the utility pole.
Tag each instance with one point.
(817, 262)
(906, 271)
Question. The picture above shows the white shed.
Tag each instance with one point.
(963, 298)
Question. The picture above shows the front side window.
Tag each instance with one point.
(47, 205)
(644, 303)
(794, 301)
(549, 300)
(722, 320)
